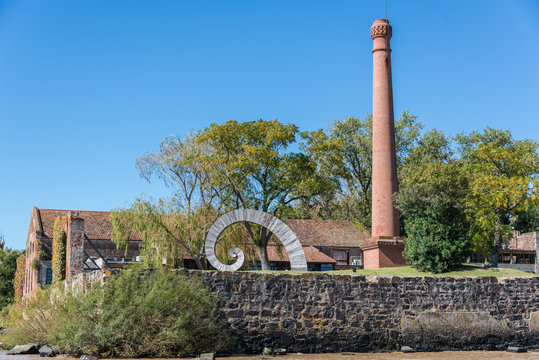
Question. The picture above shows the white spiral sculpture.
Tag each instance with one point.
(286, 236)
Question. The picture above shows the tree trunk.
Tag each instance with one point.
(497, 243)
(264, 259)
(200, 260)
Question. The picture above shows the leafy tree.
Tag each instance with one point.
(8, 266)
(527, 221)
(252, 168)
(344, 152)
(430, 200)
(503, 181)
(171, 228)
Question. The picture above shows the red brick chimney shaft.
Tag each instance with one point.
(385, 218)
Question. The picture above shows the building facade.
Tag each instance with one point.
(328, 245)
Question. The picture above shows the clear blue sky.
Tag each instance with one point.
(88, 86)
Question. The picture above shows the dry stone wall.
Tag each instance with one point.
(311, 312)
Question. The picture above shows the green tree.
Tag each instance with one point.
(344, 153)
(503, 181)
(8, 266)
(250, 165)
(431, 197)
(174, 227)
(527, 221)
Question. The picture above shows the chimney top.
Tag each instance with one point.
(381, 28)
(380, 22)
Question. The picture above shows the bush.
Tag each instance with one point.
(436, 241)
(136, 314)
(30, 323)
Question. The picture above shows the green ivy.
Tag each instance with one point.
(59, 250)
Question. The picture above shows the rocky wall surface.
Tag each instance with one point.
(313, 312)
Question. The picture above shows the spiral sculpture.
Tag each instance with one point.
(286, 236)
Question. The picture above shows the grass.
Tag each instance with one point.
(463, 271)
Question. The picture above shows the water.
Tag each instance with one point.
(445, 355)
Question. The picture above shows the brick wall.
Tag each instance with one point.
(526, 241)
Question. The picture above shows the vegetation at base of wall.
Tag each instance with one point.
(30, 322)
(135, 314)
(18, 280)
(59, 250)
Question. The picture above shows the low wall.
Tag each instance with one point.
(311, 312)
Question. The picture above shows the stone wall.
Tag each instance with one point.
(330, 313)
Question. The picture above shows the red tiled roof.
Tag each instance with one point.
(327, 233)
(97, 224)
(312, 255)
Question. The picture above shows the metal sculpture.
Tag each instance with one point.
(286, 236)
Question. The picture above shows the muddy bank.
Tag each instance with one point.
(445, 355)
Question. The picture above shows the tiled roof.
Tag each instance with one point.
(319, 233)
(327, 233)
(312, 254)
(97, 224)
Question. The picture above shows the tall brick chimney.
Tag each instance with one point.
(384, 248)
(385, 218)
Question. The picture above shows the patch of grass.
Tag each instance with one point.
(462, 271)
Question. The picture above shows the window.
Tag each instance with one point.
(48, 276)
(341, 256)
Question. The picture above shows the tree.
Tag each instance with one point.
(8, 266)
(171, 228)
(527, 221)
(503, 181)
(430, 199)
(251, 167)
(344, 152)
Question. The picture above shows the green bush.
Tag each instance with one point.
(28, 323)
(435, 228)
(135, 314)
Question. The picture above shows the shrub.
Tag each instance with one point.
(135, 314)
(435, 228)
(29, 323)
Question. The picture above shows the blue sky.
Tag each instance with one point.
(86, 87)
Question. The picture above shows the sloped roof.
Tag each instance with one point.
(97, 224)
(312, 255)
(327, 233)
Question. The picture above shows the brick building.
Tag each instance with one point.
(520, 252)
(88, 245)
(340, 240)
(327, 245)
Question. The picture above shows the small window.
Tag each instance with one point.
(48, 276)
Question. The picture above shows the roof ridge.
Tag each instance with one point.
(93, 211)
